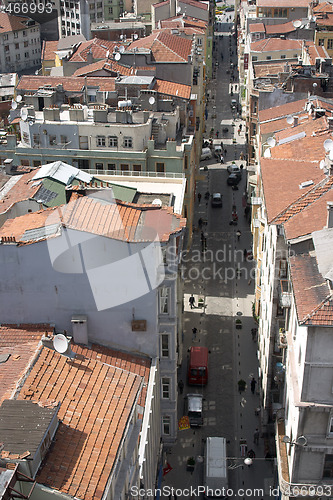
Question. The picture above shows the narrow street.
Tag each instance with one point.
(221, 275)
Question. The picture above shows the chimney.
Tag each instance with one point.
(330, 214)
(295, 121)
(330, 122)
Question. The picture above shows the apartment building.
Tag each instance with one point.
(20, 44)
(97, 444)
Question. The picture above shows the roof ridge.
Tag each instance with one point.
(169, 48)
(316, 309)
(324, 183)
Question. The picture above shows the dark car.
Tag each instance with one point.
(216, 200)
(230, 9)
(233, 179)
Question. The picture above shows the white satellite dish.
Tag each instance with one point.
(14, 104)
(328, 145)
(290, 119)
(60, 343)
(271, 141)
(107, 53)
(157, 202)
(30, 123)
(267, 153)
(24, 114)
(330, 155)
(297, 23)
(322, 164)
(121, 49)
(19, 98)
(135, 36)
(179, 9)
(121, 37)
(117, 56)
(151, 100)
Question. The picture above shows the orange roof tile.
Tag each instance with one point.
(183, 21)
(275, 44)
(315, 51)
(195, 3)
(96, 399)
(310, 148)
(280, 28)
(283, 110)
(49, 49)
(283, 3)
(323, 7)
(310, 127)
(165, 47)
(105, 64)
(21, 344)
(171, 88)
(262, 70)
(327, 20)
(280, 194)
(257, 28)
(10, 23)
(98, 48)
(322, 316)
(70, 83)
(23, 189)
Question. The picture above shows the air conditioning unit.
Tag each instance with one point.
(139, 325)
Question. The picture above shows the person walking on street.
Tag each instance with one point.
(253, 385)
(254, 334)
(238, 234)
(221, 159)
(256, 437)
(199, 197)
(194, 333)
(181, 386)
(217, 134)
(191, 301)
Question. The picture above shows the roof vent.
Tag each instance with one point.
(305, 184)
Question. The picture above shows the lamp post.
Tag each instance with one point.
(300, 441)
(247, 461)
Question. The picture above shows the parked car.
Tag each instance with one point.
(218, 151)
(230, 9)
(234, 169)
(193, 404)
(216, 200)
(233, 179)
(206, 154)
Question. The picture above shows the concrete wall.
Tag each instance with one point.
(18, 209)
(31, 36)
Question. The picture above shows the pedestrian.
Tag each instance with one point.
(240, 127)
(192, 301)
(221, 159)
(200, 221)
(181, 386)
(225, 151)
(251, 454)
(194, 333)
(221, 144)
(256, 437)
(254, 334)
(241, 166)
(241, 156)
(241, 385)
(245, 253)
(253, 385)
(239, 130)
(222, 56)
(238, 234)
(199, 197)
(217, 134)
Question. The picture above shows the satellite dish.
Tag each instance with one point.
(271, 141)
(179, 9)
(297, 23)
(14, 104)
(151, 100)
(157, 202)
(30, 123)
(135, 36)
(117, 56)
(330, 155)
(121, 49)
(314, 85)
(36, 72)
(322, 164)
(267, 153)
(121, 37)
(302, 441)
(19, 98)
(60, 343)
(115, 48)
(107, 53)
(24, 114)
(286, 439)
(290, 119)
(328, 145)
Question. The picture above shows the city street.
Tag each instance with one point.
(221, 275)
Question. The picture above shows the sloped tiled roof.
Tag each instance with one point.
(311, 148)
(171, 88)
(315, 51)
(20, 343)
(280, 194)
(165, 47)
(262, 70)
(323, 7)
(96, 399)
(21, 190)
(326, 20)
(272, 29)
(49, 49)
(322, 316)
(70, 83)
(104, 64)
(257, 28)
(10, 23)
(97, 47)
(275, 44)
(308, 126)
(283, 3)
(283, 110)
(195, 3)
(310, 290)
(182, 21)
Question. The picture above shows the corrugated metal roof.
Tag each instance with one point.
(62, 172)
(40, 232)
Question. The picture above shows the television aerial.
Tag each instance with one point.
(18, 98)
(271, 141)
(151, 100)
(121, 49)
(328, 145)
(297, 23)
(24, 114)
(14, 104)
(290, 119)
(117, 56)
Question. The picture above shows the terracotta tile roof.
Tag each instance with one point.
(323, 316)
(160, 4)
(267, 69)
(315, 51)
(257, 28)
(195, 3)
(323, 7)
(279, 194)
(174, 89)
(123, 221)
(165, 47)
(275, 44)
(282, 111)
(96, 399)
(272, 29)
(310, 147)
(21, 344)
(97, 47)
(70, 83)
(184, 31)
(308, 126)
(104, 64)
(325, 21)
(10, 23)
(273, 126)
(23, 189)
(283, 3)
(48, 50)
(310, 289)
(182, 21)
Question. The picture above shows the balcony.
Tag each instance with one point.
(284, 293)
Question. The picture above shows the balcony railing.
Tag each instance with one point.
(285, 293)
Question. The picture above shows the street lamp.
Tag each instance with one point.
(247, 461)
(300, 441)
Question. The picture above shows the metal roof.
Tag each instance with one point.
(62, 172)
(40, 232)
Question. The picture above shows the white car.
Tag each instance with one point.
(206, 154)
(234, 169)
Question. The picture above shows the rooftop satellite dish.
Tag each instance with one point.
(121, 37)
(30, 123)
(271, 141)
(328, 145)
(179, 9)
(290, 119)
(267, 153)
(330, 155)
(297, 23)
(107, 53)
(18, 98)
(115, 48)
(24, 114)
(152, 100)
(314, 85)
(36, 72)
(14, 104)
(157, 202)
(117, 56)
(121, 49)
(135, 36)
(322, 164)
(60, 343)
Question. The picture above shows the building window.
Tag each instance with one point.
(166, 425)
(113, 141)
(164, 295)
(110, 10)
(5, 37)
(25, 163)
(37, 163)
(99, 5)
(328, 466)
(53, 140)
(160, 167)
(16, 34)
(283, 56)
(99, 15)
(26, 54)
(99, 166)
(330, 429)
(24, 33)
(165, 345)
(7, 58)
(321, 42)
(124, 167)
(25, 137)
(92, 6)
(268, 58)
(136, 168)
(17, 46)
(255, 107)
(128, 142)
(254, 58)
(165, 388)
(63, 139)
(330, 43)
(26, 44)
(18, 57)
(199, 41)
(92, 16)
(100, 140)
(91, 98)
(36, 139)
(111, 166)
(6, 48)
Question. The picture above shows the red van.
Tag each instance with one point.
(198, 366)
